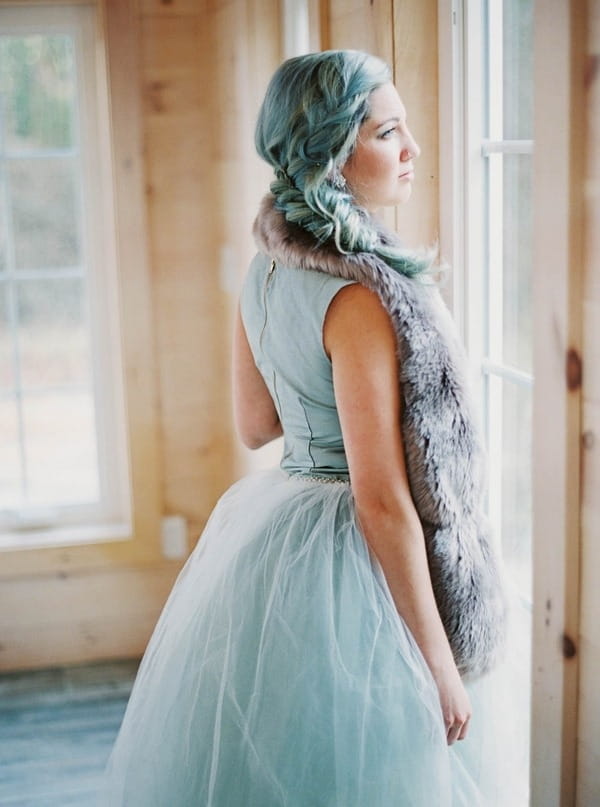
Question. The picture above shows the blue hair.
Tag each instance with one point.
(307, 127)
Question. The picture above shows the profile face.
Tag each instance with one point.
(380, 170)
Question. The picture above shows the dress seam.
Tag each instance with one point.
(310, 439)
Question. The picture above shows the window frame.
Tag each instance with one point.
(110, 514)
(111, 546)
(559, 48)
(470, 233)
(471, 218)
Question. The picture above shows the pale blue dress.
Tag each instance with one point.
(280, 673)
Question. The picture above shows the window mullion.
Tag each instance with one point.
(12, 309)
(489, 146)
(473, 210)
(507, 372)
(494, 328)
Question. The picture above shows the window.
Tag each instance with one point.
(61, 414)
(507, 335)
(486, 115)
(486, 163)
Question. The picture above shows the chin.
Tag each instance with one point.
(404, 195)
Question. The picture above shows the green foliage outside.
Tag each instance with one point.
(37, 91)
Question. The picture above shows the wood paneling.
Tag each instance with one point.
(558, 356)
(361, 25)
(189, 304)
(588, 749)
(416, 76)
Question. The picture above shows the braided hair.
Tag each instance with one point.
(307, 127)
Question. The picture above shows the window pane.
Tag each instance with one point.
(6, 353)
(516, 483)
(37, 85)
(518, 69)
(60, 448)
(45, 215)
(10, 462)
(517, 258)
(53, 337)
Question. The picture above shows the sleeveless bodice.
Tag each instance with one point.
(283, 310)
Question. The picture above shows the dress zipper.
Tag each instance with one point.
(265, 291)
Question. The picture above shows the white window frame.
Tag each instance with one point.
(559, 54)
(464, 222)
(110, 516)
(471, 225)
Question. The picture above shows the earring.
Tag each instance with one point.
(338, 180)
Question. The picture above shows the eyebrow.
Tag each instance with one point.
(388, 120)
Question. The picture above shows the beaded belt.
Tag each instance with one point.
(328, 480)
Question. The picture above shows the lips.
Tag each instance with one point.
(407, 175)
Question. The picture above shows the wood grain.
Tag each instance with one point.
(557, 292)
(588, 751)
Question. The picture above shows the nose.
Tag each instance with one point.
(411, 150)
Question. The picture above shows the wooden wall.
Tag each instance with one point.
(205, 64)
(189, 303)
(566, 423)
(588, 747)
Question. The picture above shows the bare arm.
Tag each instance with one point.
(359, 337)
(256, 418)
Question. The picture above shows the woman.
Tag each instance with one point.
(304, 657)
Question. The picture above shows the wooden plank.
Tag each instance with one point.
(172, 43)
(416, 76)
(182, 120)
(591, 336)
(362, 25)
(169, 8)
(588, 751)
(557, 401)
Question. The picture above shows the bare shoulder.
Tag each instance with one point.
(356, 316)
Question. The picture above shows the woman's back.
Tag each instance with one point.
(283, 310)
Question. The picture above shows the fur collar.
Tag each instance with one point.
(293, 246)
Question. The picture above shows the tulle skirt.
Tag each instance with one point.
(280, 675)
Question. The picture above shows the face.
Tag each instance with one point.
(379, 172)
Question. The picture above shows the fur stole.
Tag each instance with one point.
(443, 449)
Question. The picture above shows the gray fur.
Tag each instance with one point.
(444, 454)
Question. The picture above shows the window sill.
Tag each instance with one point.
(67, 535)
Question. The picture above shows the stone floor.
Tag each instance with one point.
(56, 730)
